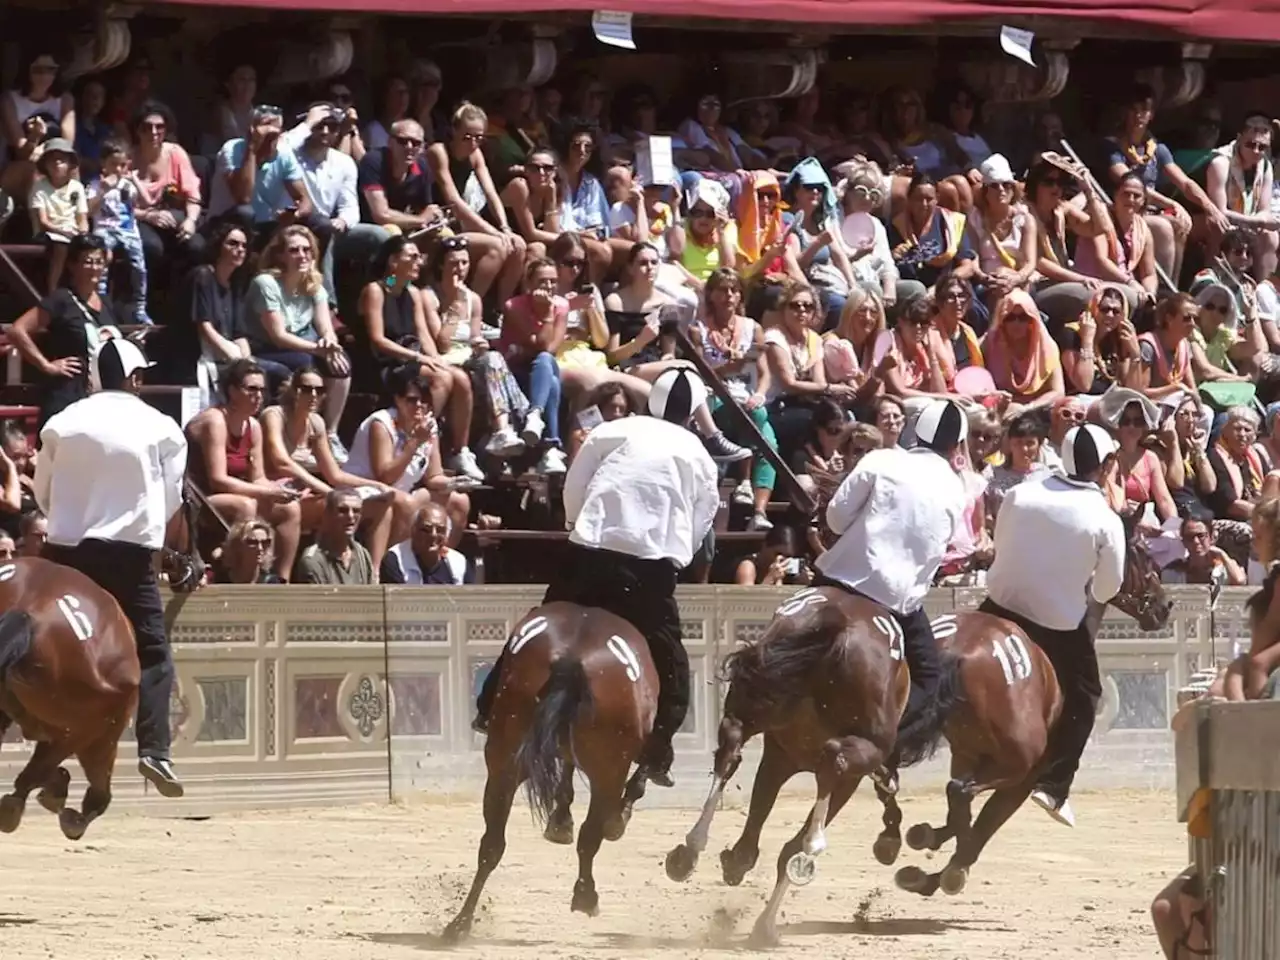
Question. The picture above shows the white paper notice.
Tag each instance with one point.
(1017, 43)
(654, 162)
(613, 27)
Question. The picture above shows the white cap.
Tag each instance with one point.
(677, 393)
(1084, 449)
(116, 361)
(941, 425)
(996, 169)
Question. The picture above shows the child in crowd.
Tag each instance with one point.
(113, 198)
(59, 208)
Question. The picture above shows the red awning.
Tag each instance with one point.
(1238, 20)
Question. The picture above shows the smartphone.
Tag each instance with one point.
(792, 567)
(590, 418)
(435, 226)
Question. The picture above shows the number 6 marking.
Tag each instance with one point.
(81, 625)
(1014, 659)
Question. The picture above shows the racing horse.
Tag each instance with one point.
(578, 691)
(999, 732)
(827, 686)
(69, 677)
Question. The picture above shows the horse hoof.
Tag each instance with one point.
(615, 827)
(681, 862)
(921, 837)
(73, 824)
(953, 880)
(764, 936)
(586, 901)
(457, 931)
(559, 832)
(731, 870)
(801, 869)
(887, 849)
(911, 879)
(11, 810)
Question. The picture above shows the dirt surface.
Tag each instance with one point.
(380, 883)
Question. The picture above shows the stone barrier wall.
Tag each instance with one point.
(312, 695)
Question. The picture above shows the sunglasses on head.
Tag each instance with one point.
(453, 244)
(871, 193)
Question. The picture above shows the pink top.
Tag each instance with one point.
(176, 171)
(519, 323)
(970, 532)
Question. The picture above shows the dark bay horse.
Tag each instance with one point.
(578, 691)
(999, 730)
(827, 686)
(69, 676)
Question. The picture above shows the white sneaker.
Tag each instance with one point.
(339, 448)
(552, 462)
(743, 493)
(1060, 811)
(504, 443)
(759, 523)
(464, 464)
(533, 427)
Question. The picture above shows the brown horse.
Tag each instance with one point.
(999, 731)
(827, 686)
(578, 691)
(69, 676)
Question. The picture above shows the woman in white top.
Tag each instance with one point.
(35, 95)
(398, 447)
(862, 198)
(1003, 232)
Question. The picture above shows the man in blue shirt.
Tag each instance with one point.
(258, 182)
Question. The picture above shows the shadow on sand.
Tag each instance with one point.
(434, 943)
(14, 920)
(725, 940)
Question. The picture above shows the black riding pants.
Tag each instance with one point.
(1075, 662)
(124, 571)
(919, 648)
(642, 592)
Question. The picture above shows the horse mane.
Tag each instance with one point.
(778, 669)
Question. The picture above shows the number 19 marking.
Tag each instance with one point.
(1014, 659)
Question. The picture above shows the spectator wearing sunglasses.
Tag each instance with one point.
(1239, 178)
(395, 186)
(426, 559)
(349, 140)
(861, 196)
(330, 178)
(247, 554)
(258, 181)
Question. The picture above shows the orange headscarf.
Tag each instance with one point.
(1023, 376)
(753, 234)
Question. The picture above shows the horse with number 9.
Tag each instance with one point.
(69, 678)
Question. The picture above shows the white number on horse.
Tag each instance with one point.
(625, 655)
(81, 626)
(528, 631)
(890, 627)
(1014, 659)
(794, 604)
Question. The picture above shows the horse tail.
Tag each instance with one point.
(16, 636)
(540, 758)
(779, 668)
(920, 740)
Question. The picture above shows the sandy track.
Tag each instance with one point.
(376, 883)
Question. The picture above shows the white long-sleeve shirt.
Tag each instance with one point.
(1053, 536)
(330, 182)
(895, 514)
(110, 468)
(642, 487)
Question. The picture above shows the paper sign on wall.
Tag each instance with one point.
(654, 163)
(613, 27)
(1017, 43)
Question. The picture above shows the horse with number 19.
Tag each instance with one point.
(578, 691)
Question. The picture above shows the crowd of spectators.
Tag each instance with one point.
(392, 307)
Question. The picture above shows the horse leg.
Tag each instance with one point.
(606, 798)
(682, 860)
(616, 825)
(39, 769)
(889, 844)
(98, 760)
(960, 794)
(776, 768)
(560, 823)
(1002, 805)
(53, 795)
(499, 792)
(843, 765)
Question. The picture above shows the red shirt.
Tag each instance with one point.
(519, 324)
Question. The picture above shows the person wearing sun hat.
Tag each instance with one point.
(1057, 541)
(58, 203)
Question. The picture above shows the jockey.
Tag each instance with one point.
(109, 478)
(640, 498)
(895, 515)
(1056, 541)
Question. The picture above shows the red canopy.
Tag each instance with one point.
(1240, 20)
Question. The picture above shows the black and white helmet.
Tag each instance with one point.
(677, 393)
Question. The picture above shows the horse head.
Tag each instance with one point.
(1142, 595)
(185, 570)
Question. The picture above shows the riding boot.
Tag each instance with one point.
(484, 701)
(656, 759)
